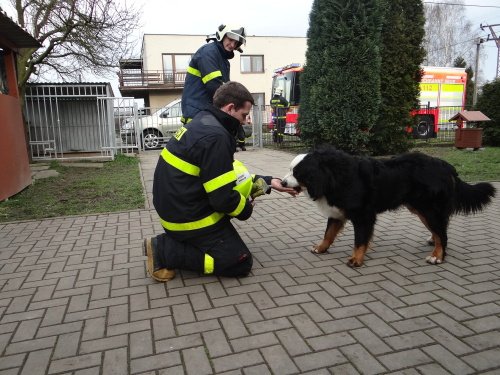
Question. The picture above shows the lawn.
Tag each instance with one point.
(116, 186)
(472, 166)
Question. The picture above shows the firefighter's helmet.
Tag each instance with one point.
(234, 32)
(243, 179)
(278, 91)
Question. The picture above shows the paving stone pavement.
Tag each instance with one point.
(75, 298)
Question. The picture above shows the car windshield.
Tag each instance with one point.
(171, 110)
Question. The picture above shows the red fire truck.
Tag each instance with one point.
(442, 94)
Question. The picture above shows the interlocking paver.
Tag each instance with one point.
(75, 297)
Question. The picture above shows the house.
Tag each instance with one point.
(15, 173)
(158, 75)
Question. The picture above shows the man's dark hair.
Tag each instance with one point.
(232, 92)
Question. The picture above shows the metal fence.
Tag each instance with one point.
(74, 121)
(263, 128)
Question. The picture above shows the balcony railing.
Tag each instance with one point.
(151, 79)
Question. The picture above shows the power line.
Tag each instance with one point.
(463, 5)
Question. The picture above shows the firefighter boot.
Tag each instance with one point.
(153, 264)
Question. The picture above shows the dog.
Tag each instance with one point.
(354, 188)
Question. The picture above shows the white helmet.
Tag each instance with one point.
(278, 91)
(234, 32)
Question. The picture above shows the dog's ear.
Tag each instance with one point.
(312, 174)
(316, 188)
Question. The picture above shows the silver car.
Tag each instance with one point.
(155, 129)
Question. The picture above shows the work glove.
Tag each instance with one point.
(259, 187)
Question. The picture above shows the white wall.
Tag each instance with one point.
(277, 51)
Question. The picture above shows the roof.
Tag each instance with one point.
(14, 34)
(470, 116)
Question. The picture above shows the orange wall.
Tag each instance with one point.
(15, 173)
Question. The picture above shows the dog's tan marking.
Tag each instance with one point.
(330, 234)
(358, 255)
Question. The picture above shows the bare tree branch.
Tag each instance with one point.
(448, 34)
(77, 37)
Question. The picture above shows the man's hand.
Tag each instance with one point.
(276, 185)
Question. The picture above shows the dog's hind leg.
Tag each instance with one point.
(363, 232)
(333, 228)
(437, 224)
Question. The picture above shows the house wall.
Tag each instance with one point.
(159, 100)
(277, 51)
(15, 173)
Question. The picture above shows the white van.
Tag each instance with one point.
(156, 129)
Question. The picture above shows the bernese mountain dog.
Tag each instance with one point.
(354, 188)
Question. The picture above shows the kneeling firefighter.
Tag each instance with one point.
(197, 190)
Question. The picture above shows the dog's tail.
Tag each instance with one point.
(473, 198)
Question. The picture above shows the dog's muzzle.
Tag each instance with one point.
(296, 188)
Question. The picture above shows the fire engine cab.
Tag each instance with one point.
(287, 78)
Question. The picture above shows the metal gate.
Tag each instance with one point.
(67, 121)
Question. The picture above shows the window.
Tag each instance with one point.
(175, 67)
(4, 86)
(252, 64)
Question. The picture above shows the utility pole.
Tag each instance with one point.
(493, 36)
(476, 82)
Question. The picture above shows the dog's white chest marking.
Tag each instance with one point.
(327, 210)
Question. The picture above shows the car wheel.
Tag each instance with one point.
(151, 139)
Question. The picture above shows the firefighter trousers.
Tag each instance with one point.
(221, 253)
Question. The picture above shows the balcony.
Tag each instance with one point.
(131, 79)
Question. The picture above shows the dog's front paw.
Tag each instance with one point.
(320, 248)
(353, 262)
(317, 249)
(433, 260)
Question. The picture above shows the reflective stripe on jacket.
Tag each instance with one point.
(280, 106)
(208, 69)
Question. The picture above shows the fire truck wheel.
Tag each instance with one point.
(424, 128)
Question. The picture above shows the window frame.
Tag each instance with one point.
(252, 64)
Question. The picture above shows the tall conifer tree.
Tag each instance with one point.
(340, 85)
(402, 55)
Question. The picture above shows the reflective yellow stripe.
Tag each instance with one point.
(180, 132)
(211, 76)
(194, 71)
(198, 224)
(180, 164)
(208, 264)
(240, 207)
(219, 181)
(185, 120)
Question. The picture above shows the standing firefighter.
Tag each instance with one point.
(209, 68)
(280, 106)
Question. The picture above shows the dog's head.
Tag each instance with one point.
(307, 175)
(289, 180)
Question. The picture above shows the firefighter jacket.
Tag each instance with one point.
(208, 69)
(280, 106)
(194, 178)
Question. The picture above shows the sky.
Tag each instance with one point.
(274, 18)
